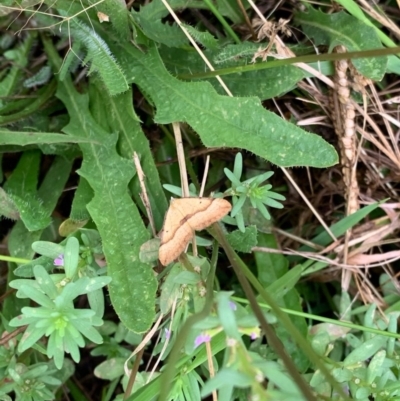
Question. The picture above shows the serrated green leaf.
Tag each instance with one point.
(118, 15)
(98, 57)
(133, 285)
(122, 119)
(265, 84)
(226, 122)
(243, 241)
(343, 29)
(149, 19)
(204, 38)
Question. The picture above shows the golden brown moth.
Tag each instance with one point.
(184, 216)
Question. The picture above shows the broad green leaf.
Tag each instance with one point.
(121, 118)
(118, 221)
(265, 83)
(343, 29)
(222, 121)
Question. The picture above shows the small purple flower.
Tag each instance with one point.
(167, 334)
(59, 261)
(232, 305)
(202, 338)
(253, 335)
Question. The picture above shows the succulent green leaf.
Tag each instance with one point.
(71, 257)
(49, 249)
(45, 283)
(226, 315)
(366, 350)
